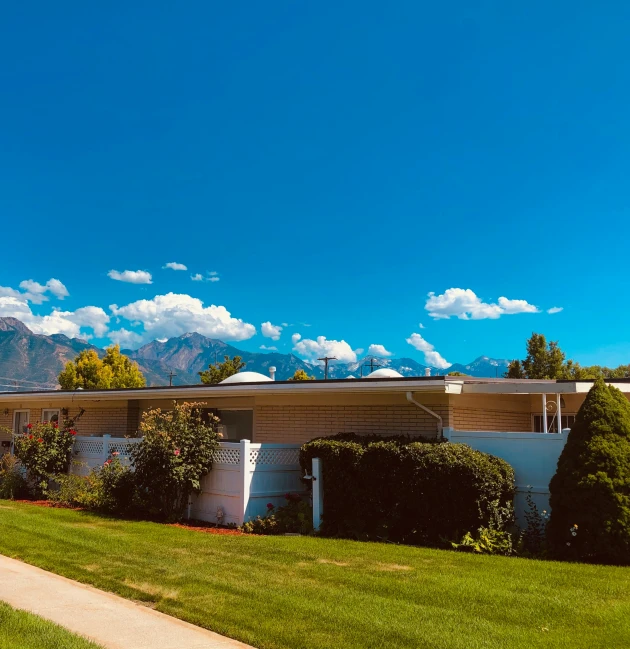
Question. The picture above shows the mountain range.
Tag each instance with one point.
(29, 360)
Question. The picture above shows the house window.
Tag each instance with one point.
(20, 421)
(51, 415)
(552, 423)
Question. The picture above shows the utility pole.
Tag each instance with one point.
(372, 363)
(326, 359)
(171, 376)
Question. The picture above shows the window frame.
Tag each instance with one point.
(28, 419)
(57, 410)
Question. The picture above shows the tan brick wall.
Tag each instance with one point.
(301, 423)
(499, 413)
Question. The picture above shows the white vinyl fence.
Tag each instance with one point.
(244, 477)
(533, 456)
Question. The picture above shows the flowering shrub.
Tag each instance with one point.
(44, 450)
(295, 517)
(175, 453)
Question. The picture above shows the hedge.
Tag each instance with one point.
(406, 491)
(590, 492)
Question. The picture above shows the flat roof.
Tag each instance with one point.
(435, 384)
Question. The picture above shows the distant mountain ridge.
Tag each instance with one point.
(35, 360)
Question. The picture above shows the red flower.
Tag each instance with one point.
(40, 440)
(29, 426)
(176, 451)
(56, 425)
(72, 431)
(270, 505)
(30, 437)
(107, 462)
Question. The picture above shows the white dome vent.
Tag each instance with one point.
(246, 377)
(384, 373)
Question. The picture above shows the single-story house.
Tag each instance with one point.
(255, 407)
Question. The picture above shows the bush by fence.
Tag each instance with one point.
(410, 492)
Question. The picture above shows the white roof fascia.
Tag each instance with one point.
(233, 390)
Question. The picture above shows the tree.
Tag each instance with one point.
(301, 375)
(455, 373)
(220, 371)
(590, 492)
(543, 361)
(89, 372)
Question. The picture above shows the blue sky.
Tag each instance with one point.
(332, 163)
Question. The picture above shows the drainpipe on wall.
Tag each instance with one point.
(428, 411)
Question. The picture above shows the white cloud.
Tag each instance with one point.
(431, 357)
(271, 348)
(313, 349)
(555, 309)
(69, 323)
(378, 350)
(173, 265)
(127, 339)
(465, 305)
(421, 325)
(35, 292)
(270, 330)
(211, 277)
(131, 276)
(295, 338)
(176, 314)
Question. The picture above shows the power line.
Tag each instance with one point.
(10, 378)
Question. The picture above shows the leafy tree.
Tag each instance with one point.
(301, 375)
(515, 370)
(590, 492)
(543, 361)
(220, 371)
(456, 374)
(89, 372)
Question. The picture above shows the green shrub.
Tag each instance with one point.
(175, 453)
(73, 491)
(45, 450)
(590, 492)
(419, 493)
(12, 482)
(486, 541)
(296, 517)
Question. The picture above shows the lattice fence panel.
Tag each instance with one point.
(227, 456)
(88, 447)
(274, 456)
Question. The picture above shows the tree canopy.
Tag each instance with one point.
(545, 360)
(89, 372)
(217, 372)
(301, 375)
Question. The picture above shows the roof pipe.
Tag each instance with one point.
(433, 414)
(272, 373)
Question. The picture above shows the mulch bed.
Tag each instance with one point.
(48, 503)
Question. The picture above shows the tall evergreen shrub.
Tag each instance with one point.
(590, 492)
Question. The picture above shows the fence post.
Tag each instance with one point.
(318, 493)
(245, 482)
(105, 452)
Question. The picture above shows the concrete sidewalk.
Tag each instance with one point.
(109, 620)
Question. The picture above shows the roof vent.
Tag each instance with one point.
(272, 373)
(427, 371)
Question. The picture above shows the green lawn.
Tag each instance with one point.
(21, 630)
(298, 592)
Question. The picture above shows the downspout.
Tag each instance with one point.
(428, 411)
